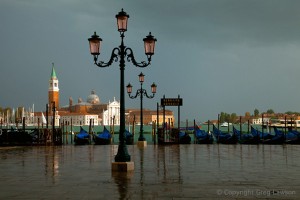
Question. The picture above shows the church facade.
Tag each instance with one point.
(111, 115)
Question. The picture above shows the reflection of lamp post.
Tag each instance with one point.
(141, 92)
(119, 54)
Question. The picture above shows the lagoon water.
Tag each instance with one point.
(161, 172)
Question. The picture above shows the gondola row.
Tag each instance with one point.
(105, 137)
(254, 137)
(100, 138)
(21, 137)
(18, 137)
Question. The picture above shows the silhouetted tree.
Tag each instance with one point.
(247, 115)
(222, 117)
(256, 112)
(233, 117)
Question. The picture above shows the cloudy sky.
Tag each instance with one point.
(219, 55)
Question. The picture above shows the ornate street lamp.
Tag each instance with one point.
(119, 54)
(141, 92)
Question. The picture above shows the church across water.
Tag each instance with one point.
(92, 110)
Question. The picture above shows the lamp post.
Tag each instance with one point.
(119, 54)
(141, 92)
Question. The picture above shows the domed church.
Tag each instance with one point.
(91, 106)
(81, 112)
(93, 98)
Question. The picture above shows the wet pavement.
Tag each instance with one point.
(161, 172)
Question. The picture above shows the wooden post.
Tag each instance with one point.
(218, 126)
(23, 123)
(169, 131)
(90, 131)
(157, 115)
(194, 131)
(71, 130)
(240, 127)
(154, 131)
(164, 120)
(38, 130)
(262, 127)
(248, 126)
(178, 114)
(133, 126)
(63, 130)
(186, 124)
(53, 121)
(47, 113)
(42, 121)
(112, 130)
(285, 124)
(67, 141)
(228, 127)
(218, 121)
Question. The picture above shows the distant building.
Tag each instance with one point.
(91, 110)
(53, 91)
(150, 116)
(91, 106)
(260, 120)
(112, 114)
(78, 119)
(79, 114)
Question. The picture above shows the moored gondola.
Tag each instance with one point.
(278, 138)
(267, 138)
(16, 137)
(261, 136)
(224, 138)
(82, 137)
(291, 137)
(184, 138)
(202, 136)
(102, 138)
(245, 138)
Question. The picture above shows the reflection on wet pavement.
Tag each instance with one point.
(161, 172)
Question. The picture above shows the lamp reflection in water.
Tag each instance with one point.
(122, 180)
(141, 152)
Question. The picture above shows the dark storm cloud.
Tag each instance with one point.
(214, 53)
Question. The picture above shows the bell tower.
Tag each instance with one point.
(53, 91)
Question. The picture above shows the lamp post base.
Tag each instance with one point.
(141, 144)
(122, 166)
(122, 154)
